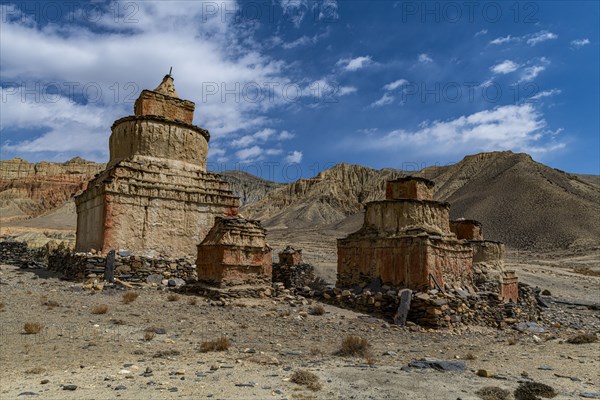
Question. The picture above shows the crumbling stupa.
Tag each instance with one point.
(405, 242)
(235, 252)
(155, 196)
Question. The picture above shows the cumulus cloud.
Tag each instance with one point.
(295, 157)
(285, 135)
(540, 37)
(395, 85)
(384, 100)
(579, 43)
(424, 58)
(512, 127)
(505, 67)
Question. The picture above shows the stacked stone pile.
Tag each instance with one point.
(130, 268)
(294, 276)
(437, 309)
(14, 253)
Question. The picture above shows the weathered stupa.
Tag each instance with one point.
(405, 242)
(155, 196)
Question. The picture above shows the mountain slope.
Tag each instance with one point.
(247, 187)
(329, 197)
(519, 201)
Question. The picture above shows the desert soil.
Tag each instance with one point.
(106, 355)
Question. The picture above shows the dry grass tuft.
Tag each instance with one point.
(470, 356)
(192, 301)
(32, 328)
(149, 335)
(1, 307)
(51, 304)
(220, 344)
(100, 309)
(35, 371)
(583, 338)
(173, 297)
(354, 346)
(306, 378)
(130, 297)
(530, 391)
(166, 353)
(512, 341)
(493, 393)
(316, 310)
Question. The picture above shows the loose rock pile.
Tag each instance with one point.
(294, 276)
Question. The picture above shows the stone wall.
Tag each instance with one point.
(407, 261)
(294, 276)
(79, 266)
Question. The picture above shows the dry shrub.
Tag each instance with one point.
(192, 301)
(316, 351)
(220, 344)
(354, 346)
(1, 307)
(166, 353)
(173, 297)
(129, 297)
(530, 391)
(470, 356)
(100, 309)
(583, 338)
(31, 328)
(493, 393)
(149, 335)
(512, 341)
(35, 371)
(316, 310)
(306, 378)
(51, 304)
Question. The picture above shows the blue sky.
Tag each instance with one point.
(288, 88)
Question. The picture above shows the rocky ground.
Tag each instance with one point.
(152, 347)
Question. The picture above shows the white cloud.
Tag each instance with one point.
(384, 100)
(545, 93)
(294, 157)
(354, 64)
(249, 153)
(215, 54)
(540, 37)
(502, 40)
(395, 85)
(285, 135)
(344, 90)
(264, 134)
(481, 32)
(505, 67)
(424, 58)
(578, 43)
(512, 127)
(530, 73)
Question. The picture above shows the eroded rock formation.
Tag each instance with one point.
(155, 197)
